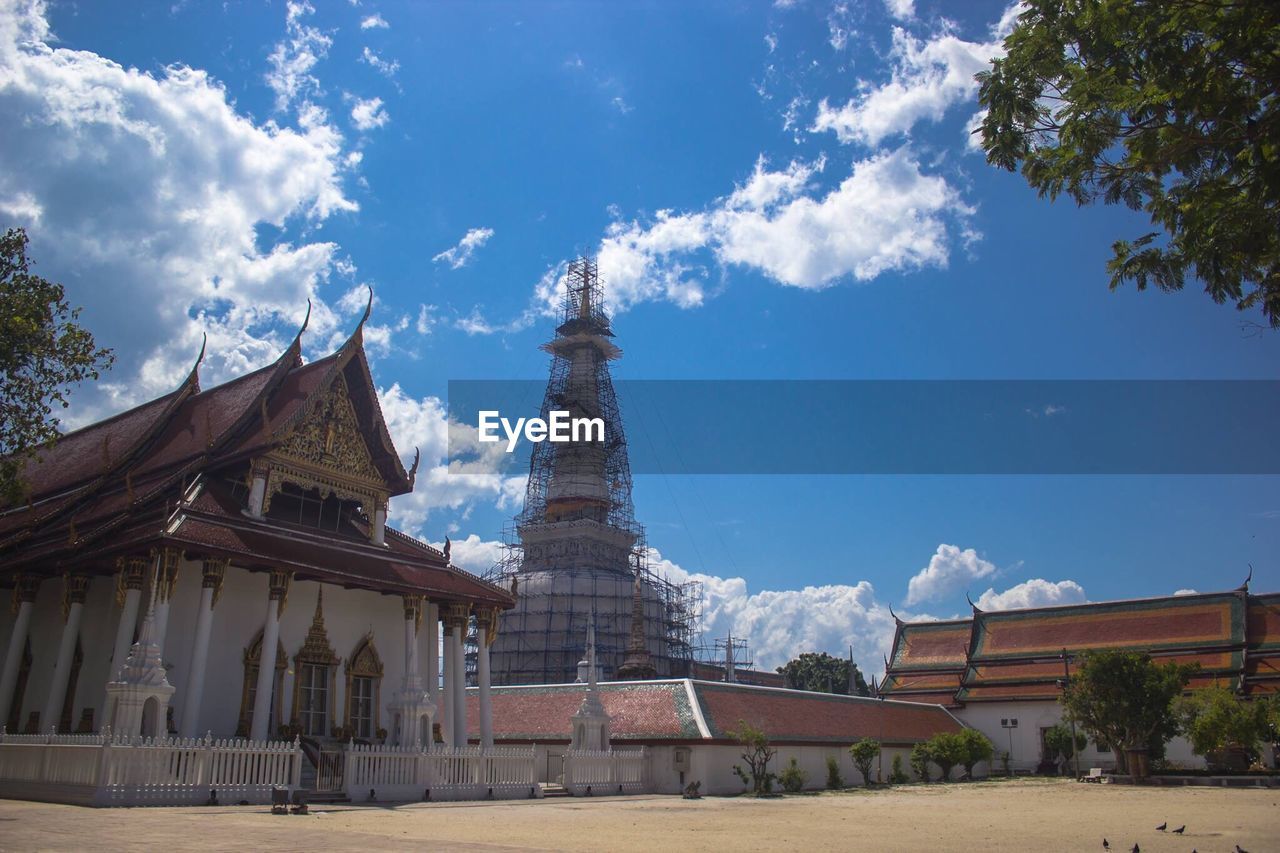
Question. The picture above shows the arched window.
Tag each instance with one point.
(252, 655)
(314, 667)
(364, 689)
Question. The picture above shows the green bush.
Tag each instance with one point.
(920, 758)
(1215, 720)
(976, 748)
(834, 781)
(864, 754)
(947, 749)
(793, 778)
(898, 775)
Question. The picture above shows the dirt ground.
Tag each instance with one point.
(1019, 815)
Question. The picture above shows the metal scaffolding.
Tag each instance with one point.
(575, 548)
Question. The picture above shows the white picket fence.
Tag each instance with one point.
(392, 774)
(590, 772)
(105, 771)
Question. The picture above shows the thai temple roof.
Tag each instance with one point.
(164, 474)
(687, 710)
(1018, 654)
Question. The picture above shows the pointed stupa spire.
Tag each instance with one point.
(638, 664)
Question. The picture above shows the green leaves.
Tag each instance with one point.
(45, 352)
(821, 673)
(1165, 106)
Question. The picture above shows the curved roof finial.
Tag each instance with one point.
(368, 308)
(448, 545)
(894, 615)
(970, 600)
(413, 472)
(194, 376)
(306, 319)
(1245, 586)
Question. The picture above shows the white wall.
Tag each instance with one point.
(1023, 743)
(241, 609)
(712, 764)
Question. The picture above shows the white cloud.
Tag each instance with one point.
(1186, 592)
(458, 256)
(374, 22)
(771, 41)
(1036, 592)
(426, 319)
(385, 67)
(474, 554)
(368, 114)
(928, 77)
(949, 569)
(903, 10)
(293, 58)
(424, 423)
(149, 190)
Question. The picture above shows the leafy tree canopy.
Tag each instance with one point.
(1214, 719)
(821, 673)
(1166, 106)
(864, 753)
(44, 353)
(1125, 700)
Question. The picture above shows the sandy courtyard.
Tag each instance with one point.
(1022, 815)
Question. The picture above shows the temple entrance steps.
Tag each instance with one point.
(553, 789)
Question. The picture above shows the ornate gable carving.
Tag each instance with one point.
(330, 437)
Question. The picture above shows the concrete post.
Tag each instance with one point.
(460, 615)
(486, 620)
(132, 571)
(167, 560)
(277, 591)
(28, 586)
(432, 628)
(210, 589)
(76, 588)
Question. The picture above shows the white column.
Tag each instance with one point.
(484, 619)
(260, 728)
(132, 569)
(378, 525)
(167, 560)
(450, 686)
(257, 493)
(211, 586)
(27, 588)
(460, 691)
(432, 630)
(77, 586)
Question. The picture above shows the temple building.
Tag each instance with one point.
(219, 561)
(1002, 672)
(577, 553)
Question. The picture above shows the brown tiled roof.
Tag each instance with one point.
(655, 711)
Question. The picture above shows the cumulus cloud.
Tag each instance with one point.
(374, 22)
(474, 554)
(903, 10)
(424, 423)
(386, 67)
(949, 570)
(458, 256)
(293, 58)
(144, 193)
(1036, 592)
(1186, 592)
(887, 215)
(928, 76)
(368, 113)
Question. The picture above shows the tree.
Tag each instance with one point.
(758, 755)
(1166, 106)
(1125, 700)
(1058, 743)
(792, 777)
(1215, 719)
(819, 672)
(920, 758)
(864, 754)
(977, 748)
(44, 353)
(947, 749)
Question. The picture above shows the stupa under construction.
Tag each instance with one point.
(575, 552)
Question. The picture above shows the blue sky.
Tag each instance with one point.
(774, 191)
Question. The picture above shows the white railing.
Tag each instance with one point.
(590, 772)
(448, 773)
(102, 770)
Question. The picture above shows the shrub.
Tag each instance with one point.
(834, 781)
(793, 778)
(758, 754)
(864, 753)
(947, 749)
(976, 748)
(1215, 719)
(897, 775)
(920, 758)
(1058, 743)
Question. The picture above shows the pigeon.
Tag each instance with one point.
(1162, 826)
(1240, 849)
(1106, 845)
(1136, 849)
(1179, 830)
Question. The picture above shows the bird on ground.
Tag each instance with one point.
(1136, 849)
(1162, 826)
(1106, 845)
(1180, 830)
(1240, 849)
